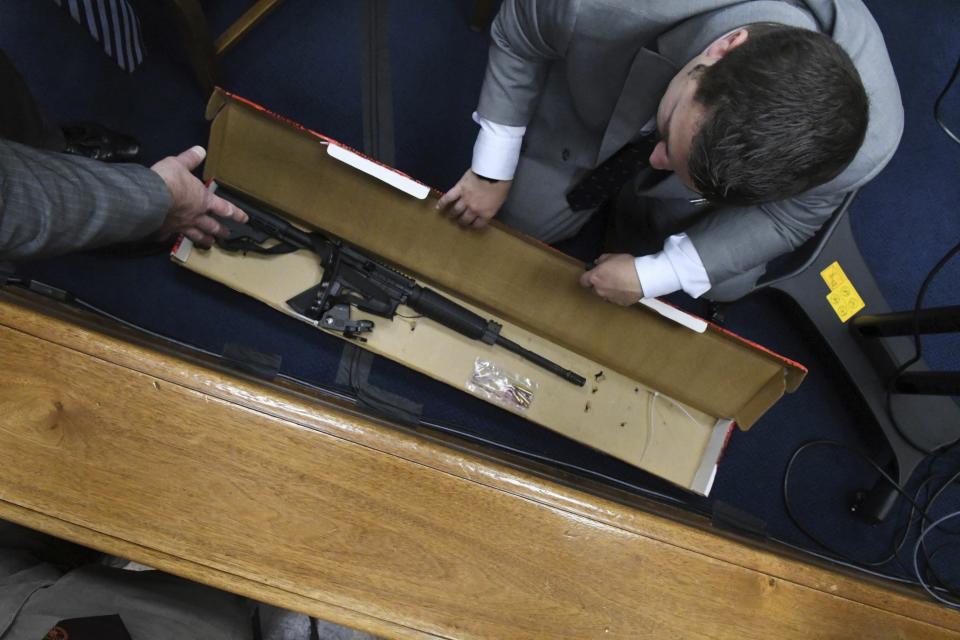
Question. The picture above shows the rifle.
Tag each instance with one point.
(353, 279)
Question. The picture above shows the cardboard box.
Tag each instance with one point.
(320, 183)
(611, 412)
(289, 167)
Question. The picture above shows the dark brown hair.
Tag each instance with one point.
(785, 111)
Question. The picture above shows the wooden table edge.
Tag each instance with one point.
(673, 526)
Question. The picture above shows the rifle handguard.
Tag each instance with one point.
(451, 315)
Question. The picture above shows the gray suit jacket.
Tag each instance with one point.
(52, 203)
(583, 76)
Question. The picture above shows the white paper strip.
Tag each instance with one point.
(391, 177)
(181, 250)
(707, 471)
(680, 317)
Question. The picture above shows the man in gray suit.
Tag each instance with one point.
(763, 114)
(52, 203)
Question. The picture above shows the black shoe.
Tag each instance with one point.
(95, 141)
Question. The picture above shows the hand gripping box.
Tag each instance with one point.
(660, 394)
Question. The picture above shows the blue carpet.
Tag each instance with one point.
(304, 62)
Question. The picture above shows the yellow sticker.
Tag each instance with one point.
(843, 297)
(845, 301)
(834, 276)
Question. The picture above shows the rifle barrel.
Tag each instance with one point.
(542, 362)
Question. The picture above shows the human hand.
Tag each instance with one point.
(193, 209)
(614, 279)
(474, 201)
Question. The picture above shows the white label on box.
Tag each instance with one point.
(391, 177)
(181, 250)
(680, 317)
(707, 472)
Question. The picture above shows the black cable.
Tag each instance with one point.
(918, 513)
(928, 505)
(928, 556)
(917, 354)
(921, 541)
(937, 104)
(932, 574)
(815, 538)
(850, 565)
(953, 478)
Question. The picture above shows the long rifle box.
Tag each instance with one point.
(659, 395)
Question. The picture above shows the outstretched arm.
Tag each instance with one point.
(52, 203)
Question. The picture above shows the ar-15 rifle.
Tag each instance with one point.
(351, 278)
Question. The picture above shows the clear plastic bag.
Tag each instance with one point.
(501, 387)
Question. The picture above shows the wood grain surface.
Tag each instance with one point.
(312, 507)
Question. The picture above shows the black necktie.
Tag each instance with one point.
(112, 23)
(605, 181)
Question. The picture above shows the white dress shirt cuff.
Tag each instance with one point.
(678, 266)
(497, 149)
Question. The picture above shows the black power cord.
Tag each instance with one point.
(920, 512)
(792, 514)
(939, 103)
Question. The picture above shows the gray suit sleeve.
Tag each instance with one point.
(52, 203)
(527, 35)
(734, 240)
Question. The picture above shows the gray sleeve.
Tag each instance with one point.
(734, 240)
(527, 36)
(52, 203)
